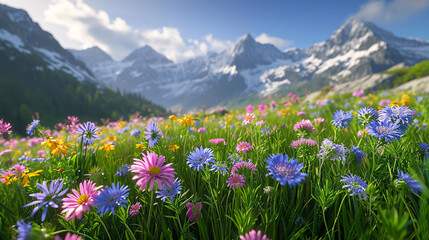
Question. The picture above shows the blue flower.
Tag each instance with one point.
(342, 119)
(122, 130)
(200, 157)
(88, 133)
(401, 115)
(413, 184)
(419, 98)
(23, 229)
(169, 192)
(330, 150)
(135, 132)
(220, 167)
(385, 129)
(347, 105)
(425, 148)
(123, 170)
(367, 114)
(152, 133)
(359, 154)
(109, 198)
(47, 198)
(285, 170)
(355, 185)
(32, 126)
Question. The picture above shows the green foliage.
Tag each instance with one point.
(404, 75)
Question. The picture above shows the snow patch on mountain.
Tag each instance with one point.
(14, 41)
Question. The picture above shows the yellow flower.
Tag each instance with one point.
(28, 154)
(173, 118)
(186, 120)
(61, 148)
(141, 146)
(112, 138)
(167, 126)
(173, 148)
(17, 153)
(25, 176)
(108, 147)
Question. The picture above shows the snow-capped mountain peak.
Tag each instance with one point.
(148, 55)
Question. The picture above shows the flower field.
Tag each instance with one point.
(349, 167)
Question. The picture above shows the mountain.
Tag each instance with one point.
(38, 75)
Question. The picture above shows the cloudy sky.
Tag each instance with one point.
(182, 29)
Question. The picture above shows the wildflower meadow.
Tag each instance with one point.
(346, 167)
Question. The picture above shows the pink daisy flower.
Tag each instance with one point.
(134, 209)
(262, 107)
(194, 211)
(217, 141)
(301, 113)
(202, 130)
(303, 142)
(241, 165)
(253, 235)
(305, 125)
(236, 180)
(250, 108)
(248, 118)
(77, 203)
(150, 170)
(69, 236)
(243, 147)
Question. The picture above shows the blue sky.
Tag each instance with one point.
(182, 29)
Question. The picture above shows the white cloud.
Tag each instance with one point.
(278, 42)
(396, 10)
(91, 27)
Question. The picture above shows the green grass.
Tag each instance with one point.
(404, 75)
(319, 208)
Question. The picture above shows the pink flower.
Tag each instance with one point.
(301, 113)
(77, 203)
(151, 170)
(273, 105)
(304, 125)
(319, 120)
(236, 180)
(217, 141)
(360, 133)
(5, 151)
(303, 142)
(202, 130)
(253, 235)
(5, 127)
(241, 165)
(134, 209)
(18, 169)
(243, 147)
(384, 102)
(40, 153)
(250, 108)
(289, 95)
(248, 118)
(259, 123)
(34, 141)
(262, 107)
(194, 211)
(69, 236)
(358, 93)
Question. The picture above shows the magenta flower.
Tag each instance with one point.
(248, 118)
(236, 180)
(217, 141)
(5, 151)
(69, 236)
(5, 127)
(301, 113)
(253, 235)
(242, 165)
(262, 107)
(77, 203)
(194, 211)
(151, 170)
(202, 130)
(243, 147)
(134, 209)
(259, 123)
(303, 142)
(304, 126)
(358, 93)
(319, 120)
(250, 108)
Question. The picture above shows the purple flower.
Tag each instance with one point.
(48, 197)
(385, 129)
(88, 133)
(401, 115)
(285, 170)
(109, 198)
(355, 185)
(359, 154)
(342, 119)
(330, 150)
(200, 157)
(153, 134)
(169, 192)
(135, 132)
(23, 229)
(413, 184)
(367, 114)
(32, 126)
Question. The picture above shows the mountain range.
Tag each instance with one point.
(355, 50)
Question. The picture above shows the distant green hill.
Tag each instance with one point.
(404, 75)
(27, 86)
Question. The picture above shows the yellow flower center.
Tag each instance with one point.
(83, 198)
(155, 170)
